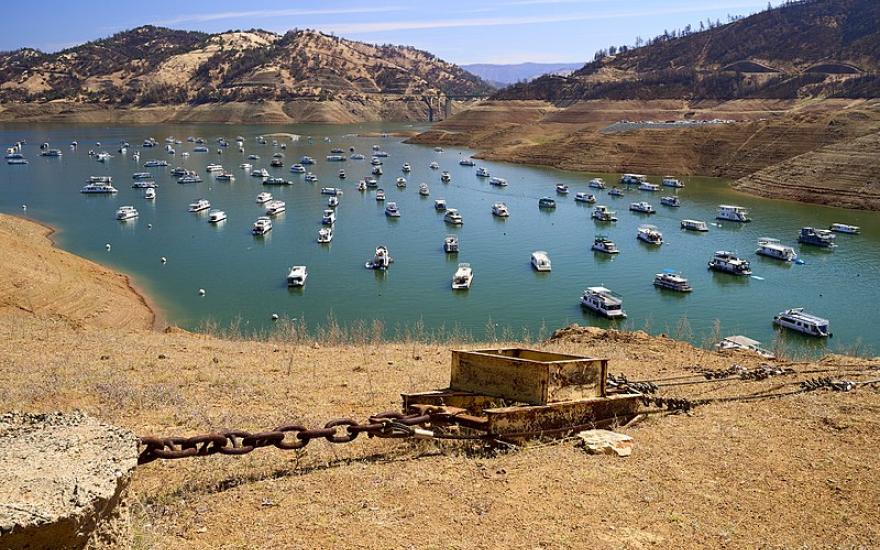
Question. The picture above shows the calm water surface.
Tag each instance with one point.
(244, 277)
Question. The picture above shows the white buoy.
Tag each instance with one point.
(274, 316)
(201, 292)
(163, 260)
(107, 246)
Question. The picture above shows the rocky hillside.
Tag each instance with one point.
(813, 48)
(158, 66)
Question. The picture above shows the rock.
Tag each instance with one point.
(606, 442)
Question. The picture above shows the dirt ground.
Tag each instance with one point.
(800, 471)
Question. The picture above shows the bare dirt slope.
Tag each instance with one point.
(799, 471)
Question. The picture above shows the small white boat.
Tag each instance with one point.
(743, 343)
(264, 197)
(483, 173)
(380, 194)
(336, 158)
(562, 189)
(189, 178)
(262, 226)
(500, 210)
(99, 188)
(670, 280)
(153, 163)
(377, 171)
(306, 160)
(276, 181)
(381, 260)
(438, 149)
(450, 244)
(260, 173)
(126, 213)
(643, 207)
(845, 228)
(149, 175)
(104, 157)
(453, 217)
(616, 192)
(463, 277)
(585, 197)
(275, 207)
(329, 217)
(822, 238)
(406, 167)
(362, 186)
(341, 174)
(434, 165)
(633, 179)
(650, 235)
(150, 193)
(371, 182)
(728, 262)
(648, 186)
(605, 245)
(423, 190)
(298, 169)
(333, 202)
(732, 213)
(199, 205)
(671, 200)
(445, 177)
(670, 181)
(597, 183)
(333, 191)
(401, 182)
(311, 178)
(225, 176)
(466, 162)
(216, 216)
(604, 302)
(391, 210)
(498, 182)
(214, 168)
(440, 205)
(546, 202)
(602, 214)
(297, 276)
(100, 179)
(325, 235)
(800, 321)
(694, 225)
(144, 184)
(773, 248)
(245, 166)
(540, 261)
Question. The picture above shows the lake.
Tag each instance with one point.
(245, 277)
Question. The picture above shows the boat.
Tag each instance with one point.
(540, 261)
(371, 182)
(694, 225)
(333, 202)
(276, 163)
(306, 160)
(376, 171)
(602, 214)
(264, 197)
(154, 163)
(633, 179)
(325, 234)
(297, 275)
(275, 207)
(463, 277)
(99, 188)
(450, 244)
(800, 321)
(311, 178)
(189, 178)
(216, 216)
(546, 202)
(381, 154)
(200, 149)
(406, 167)
(423, 190)
(739, 342)
(440, 205)
(732, 213)
(276, 181)
(329, 217)
(434, 165)
(482, 172)
(262, 226)
(445, 177)
(498, 182)
(650, 234)
(605, 245)
(671, 201)
(199, 205)
(225, 176)
(453, 217)
(604, 302)
(260, 173)
(585, 197)
(728, 262)
(401, 182)
(336, 151)
(670, 181)
(246, 166)
(438, 149)
(100, 179)
(17, 161)
(380, 194)
(562, 189)
(150, 142)
(391, 210)
(597, 183)
(214, 168)
(341, 174)
(648, 186)
(822, 238)
(671, 280)
(845, 228)
(616, 192)
(466, 162)
(357, 156)
(126, 213)
(643, 207)
(104, 157)
(773, 248)
(500, 210)
(298, 169)
(335, 158)
(146, 175)
(381, 260)
(177, 172)
(51, 153)
(375, 161)
(333, 191)
(253, 157)
(144, 184)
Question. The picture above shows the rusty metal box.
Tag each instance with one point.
(528, 376)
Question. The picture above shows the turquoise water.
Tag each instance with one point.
(244, 277)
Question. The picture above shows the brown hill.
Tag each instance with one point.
(813, 48)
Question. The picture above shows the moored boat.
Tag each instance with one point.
(605, 245)
(672, 280)
(773, 248)
(798, 320)
(728, 262)
(199, 205)
(297, 276)
(822, 238)
(650, 234)
(585, 197)
(463, 277)
(845, 228)
(500, 210)
(540, 261)
(450, 244)
(601, 213)
(262, 226)
(604, 302)
(453, 217)
(694, 225)
(642, 207)
(733, 213)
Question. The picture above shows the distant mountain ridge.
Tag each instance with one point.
(812, 48)
(158, 66)
(505, 74)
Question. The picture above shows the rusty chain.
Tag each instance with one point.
(287, 437)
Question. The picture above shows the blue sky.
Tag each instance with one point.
(461, 31)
